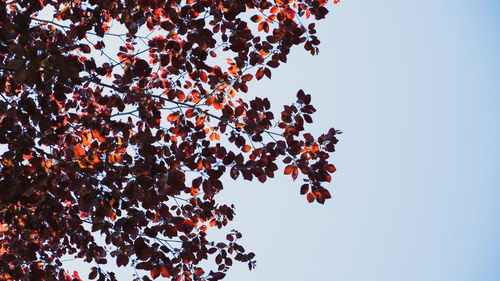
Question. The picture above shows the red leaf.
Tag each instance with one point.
(189, 113)
(263, 26)
(273, 63)
(198, 271)
(93, 273)
(260, 73)
(290, 13)
(289, 169)
(84, 48)
(173, 116)
(234, 172)
(203, 76)
(310, 197)
(239, 111)
(164, 272)
(326, 193)
(246, 77)
(295, 173)
(330, 168)
(155, 272)
(267, 72)
(212, 223)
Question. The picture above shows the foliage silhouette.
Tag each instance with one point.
(133, 146)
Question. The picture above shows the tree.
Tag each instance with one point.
(134, 146)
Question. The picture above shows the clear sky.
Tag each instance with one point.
(415, 87)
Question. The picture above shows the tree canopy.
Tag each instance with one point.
(122, 118)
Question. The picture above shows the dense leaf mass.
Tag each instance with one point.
(120, 118)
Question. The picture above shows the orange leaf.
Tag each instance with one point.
(115, 158)
(4, 227)
(314, 147)
(261, 26)
(164, 271)
(246, 148)
(330, 168)
(203, 76)
(310, 197)
(180, 95)
(112, 216)
(256, 18)
(99, 137)
(199, 165)
(47, 164)
(94, 159)
(196, 96)
(173, 116)
(194, 191)
(155, 272)
(246, 77)
(79, 152)
(260, 73)
(295, 173)
(189, 113)
(86, 139)
(289, 169)
(271, 18)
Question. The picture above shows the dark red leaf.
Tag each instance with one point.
(256, 18)
(93, 273)
(304, 189)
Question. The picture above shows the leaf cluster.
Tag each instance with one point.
(133, 143)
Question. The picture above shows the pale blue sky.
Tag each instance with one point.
(415, 87)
